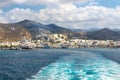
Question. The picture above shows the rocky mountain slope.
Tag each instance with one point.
(13, 32)
(104, 34)
(30, 29)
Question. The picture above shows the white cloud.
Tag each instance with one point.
(20, 14)
(3, 3)
(66, 14)
(89, 16)
(2, 17)
(82, 17)
(20, 1)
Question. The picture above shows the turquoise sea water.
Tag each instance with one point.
(79, 65)
(60, 64)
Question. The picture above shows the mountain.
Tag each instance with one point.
(13, 32)
(28, 29)
(33, 27)
(104, 34)
(85, 30)
(99, 34)
(57, 29)
(36, 28)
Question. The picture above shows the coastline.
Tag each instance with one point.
(63, 43)
(58, 41)
(73, 43)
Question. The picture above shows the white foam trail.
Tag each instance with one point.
(73, 67)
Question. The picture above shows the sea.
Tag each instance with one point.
(60, 64)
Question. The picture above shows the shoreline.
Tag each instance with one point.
(61, 43)
(28, 48)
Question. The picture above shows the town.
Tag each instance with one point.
(58, 41)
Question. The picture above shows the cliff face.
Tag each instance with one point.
(12, 32)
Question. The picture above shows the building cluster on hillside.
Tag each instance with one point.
(58, 41)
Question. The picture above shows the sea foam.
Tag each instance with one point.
(80, 67)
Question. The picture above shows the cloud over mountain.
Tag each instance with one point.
(66, 13)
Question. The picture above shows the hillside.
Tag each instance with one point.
(30, 29)
(104, 34)
(12, 32)
(36, 28)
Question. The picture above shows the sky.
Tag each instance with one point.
(74, 14)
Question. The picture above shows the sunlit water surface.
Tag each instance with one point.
(79, 65)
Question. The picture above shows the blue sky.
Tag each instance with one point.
(34, 7)
(106, 3)
(66, 13)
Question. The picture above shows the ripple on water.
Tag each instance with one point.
(80, 67)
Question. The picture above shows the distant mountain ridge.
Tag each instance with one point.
(30, 29)
(36, 28)
(85, 30)
(104, 34)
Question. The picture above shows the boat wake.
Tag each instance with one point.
(82, 66)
